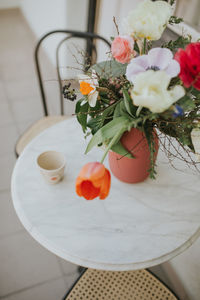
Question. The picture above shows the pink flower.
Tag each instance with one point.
(156, 59)
(122, 49)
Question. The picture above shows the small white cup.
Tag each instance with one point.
(51, 165)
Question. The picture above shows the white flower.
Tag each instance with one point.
(156, 59)
(148, 20)
(88, 88)
(150, 91)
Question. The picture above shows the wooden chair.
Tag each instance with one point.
(49, 120)
(129, 285)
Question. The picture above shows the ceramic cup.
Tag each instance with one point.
(51, 165)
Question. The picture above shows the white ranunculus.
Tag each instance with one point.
(148, 20)
(150, 91)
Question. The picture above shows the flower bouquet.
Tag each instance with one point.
(142, 90)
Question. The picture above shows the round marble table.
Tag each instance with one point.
(137, 226)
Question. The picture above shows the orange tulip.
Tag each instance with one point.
(93, 181)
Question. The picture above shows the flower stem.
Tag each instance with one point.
(139, 110)
(144, 46)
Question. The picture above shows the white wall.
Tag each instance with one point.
(43, 16)
(9, 3)
(109, 9)
(46, 15)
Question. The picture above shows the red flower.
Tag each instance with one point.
(93, 181)
(189, 60)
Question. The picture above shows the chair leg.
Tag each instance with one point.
(83, 270)
(80, 269)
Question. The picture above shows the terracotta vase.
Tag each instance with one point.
(133, 170)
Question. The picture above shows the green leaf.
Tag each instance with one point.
(186, 103)
(81, 113)
(196, 93)
(115, 139)
(123, 111)
(119, 148)
(109, 110)
(148, 131)
(117, 112)
(105, 100)
(110, 68)
(128, 102)
(136, 47)
(180, 42)
(175, 20)
(108, 131)
(95, 124)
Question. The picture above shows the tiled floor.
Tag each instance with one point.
(27, 270)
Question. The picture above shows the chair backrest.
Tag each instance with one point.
(91, 49)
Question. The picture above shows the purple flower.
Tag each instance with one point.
(178, 111)
(156, 59)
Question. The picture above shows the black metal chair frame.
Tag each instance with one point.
(89, 36)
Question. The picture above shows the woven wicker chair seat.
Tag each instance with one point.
(36, 129)
(130, 285)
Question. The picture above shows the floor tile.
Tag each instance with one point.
(17, 55)
(13, 72)
(7, 163)
(52, 290)
(186, 268)
(6, 116)
(25, 263)
(2, 92)
(67, 267)
(9, 136)
(30, 108)
(22, 126)
(160, 273)
(17, 35)
(21, 89)
(71, 279)
(9, 222)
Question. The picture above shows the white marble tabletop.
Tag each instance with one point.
(137, 226)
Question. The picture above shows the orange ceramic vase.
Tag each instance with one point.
(132, 170)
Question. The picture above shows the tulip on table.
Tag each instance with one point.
(93, 181)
